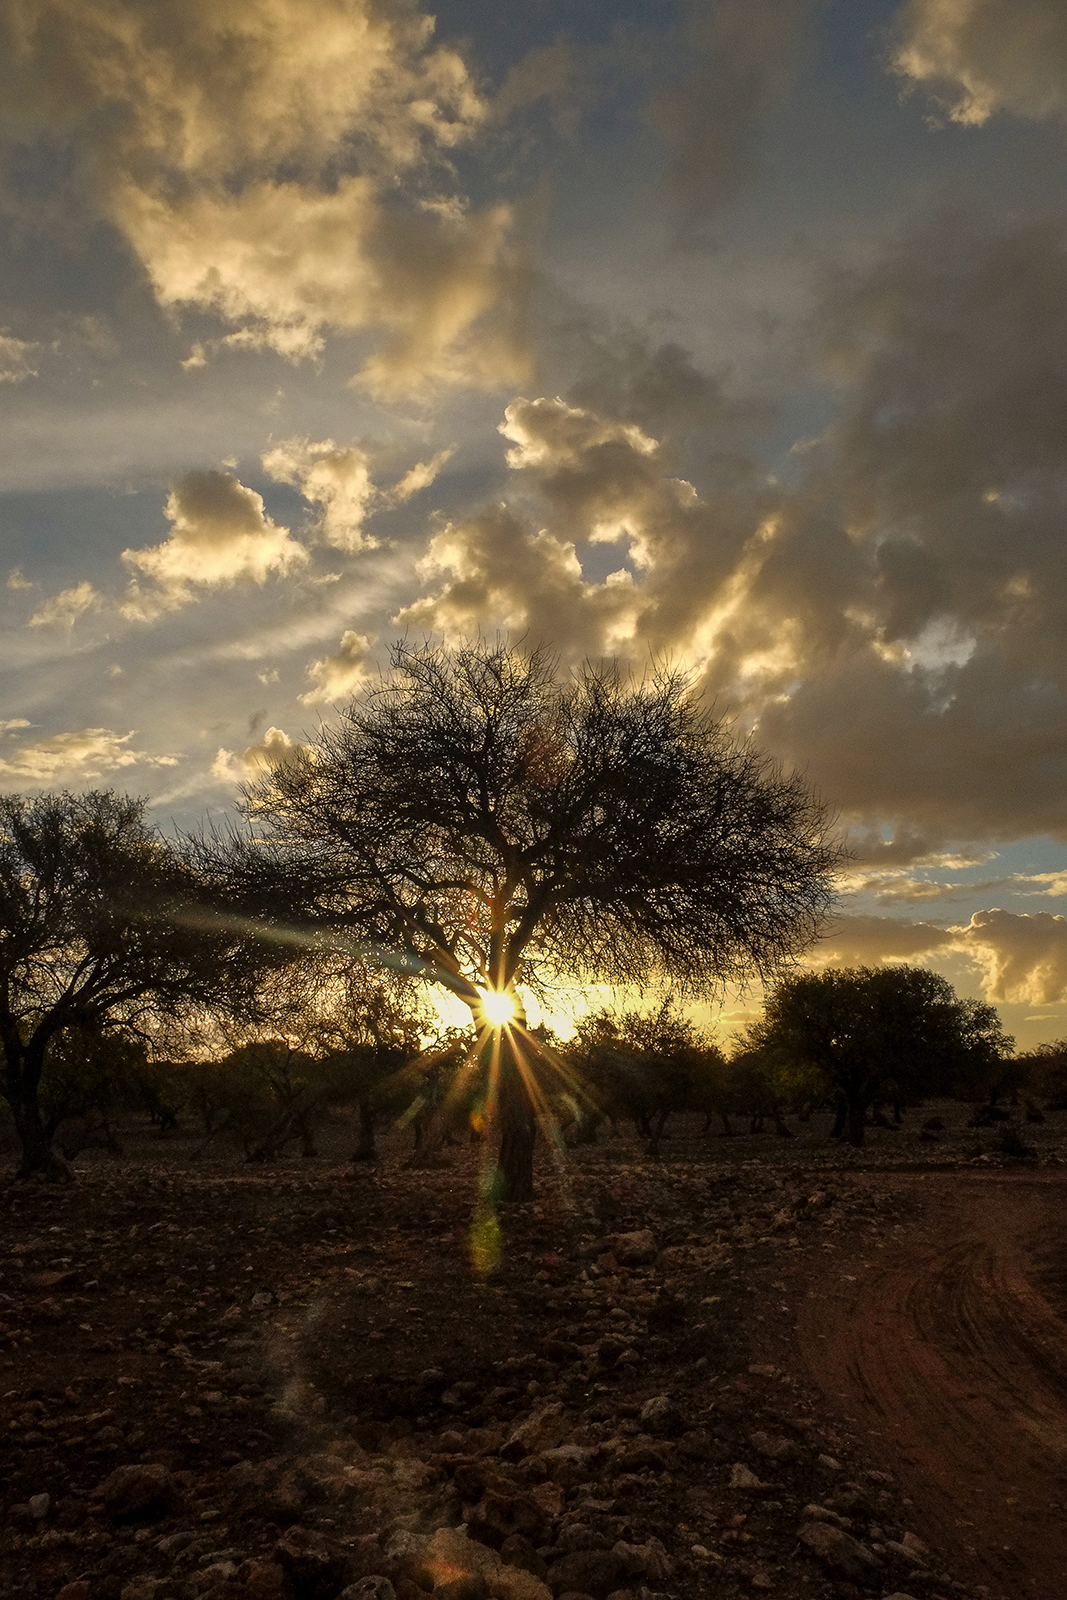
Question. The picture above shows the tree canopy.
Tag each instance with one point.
(875, 1034)
(103, 923)
(484, 821)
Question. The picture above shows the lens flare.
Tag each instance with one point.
(498, 1007)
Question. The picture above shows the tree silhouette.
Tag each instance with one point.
(485, 822)
(877, 1033)
(102, 924)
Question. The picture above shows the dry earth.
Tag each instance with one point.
(824, 1373)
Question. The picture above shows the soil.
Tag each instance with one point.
(325, 1364)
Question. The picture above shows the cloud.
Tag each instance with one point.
(744, 59)
(337, 480)
(221, 536)
(1019, 957)
(15, 356)
(67, 757)
(943, 700)
(286, 167)
(275, 749)
(337, 677)
(420, 477)
(1024, 957)
(67, 607)
(977, 57)
(866, 940)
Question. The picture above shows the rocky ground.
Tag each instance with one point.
(286, 1383)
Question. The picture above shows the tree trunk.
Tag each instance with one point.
(518, 1129)
(365, 1150)
(840, 1120)
(855, 1123)
(37, 1157)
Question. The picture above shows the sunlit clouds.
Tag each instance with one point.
(978, 57)
(733, 337)
(182, 126)
(220, 536)
(71, 758)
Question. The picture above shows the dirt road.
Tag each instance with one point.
(951, 1355)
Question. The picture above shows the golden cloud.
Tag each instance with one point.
(65, 608)
(221, 535)
(256, 155)
(15, 356)
(338, 676)
(275, 749)
(978, 57)
(67, 757)
(335, 479)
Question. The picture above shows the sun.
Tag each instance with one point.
(498, 1007)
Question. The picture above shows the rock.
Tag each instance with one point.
(542, 1430)
(579, 1536)
(822, 1514)
(908, 1540)
(838, 1551)
(636, 1249)
(518, 1551)
(450, 1551)
(660, 1415)
(263, 1580)
(39, 1504)
(774, 1447)
(828, 1464)
(568, 1463)
(593, 1572)
(78, 1590)
(649, 1561)
(314, 1570)
(906, 1552)
(742, 1477)
(697, 1444)
(374, 1587)
(139, 1492)
(499, 1514)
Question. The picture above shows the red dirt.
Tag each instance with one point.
(948, 1351)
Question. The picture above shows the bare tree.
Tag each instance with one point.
(486, 823)
(102, 923)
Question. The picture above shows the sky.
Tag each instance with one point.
(731, 333)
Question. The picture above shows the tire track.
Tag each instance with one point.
(948, 1352)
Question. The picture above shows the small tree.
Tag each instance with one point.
(876, 1034)
(487, 824)
(102, 923)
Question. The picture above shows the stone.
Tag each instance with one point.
(39, 1504)
(541, 1430)
(518, 1551)
(697, 1444)
(838, 1551)
(592, 1572)
(499, 1514)
(649, 1561)
(635, 1249)
(742, 1477)
(314, 1570)
(373, 1587)
(450, 1551)
(143, 1491)
(263, 1580)
(661, 1416)
(774, 1447)
(568, 1464)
